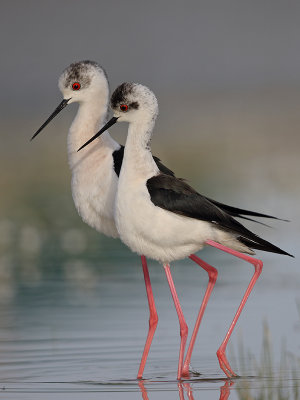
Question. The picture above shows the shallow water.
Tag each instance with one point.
(78, 330)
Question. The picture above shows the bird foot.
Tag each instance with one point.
(224, 364)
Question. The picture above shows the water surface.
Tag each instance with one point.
(77, 329)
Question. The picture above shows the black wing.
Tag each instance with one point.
(240, 213)
(118, 159)
(233, 211)
(175, 195)
(165, 170)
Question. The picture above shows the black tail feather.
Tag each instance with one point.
(239, 212)
(253, 220)
(264, 245)
(250, 239)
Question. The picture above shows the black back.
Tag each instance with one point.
(233, 211)
(175, 195)
(118, 159)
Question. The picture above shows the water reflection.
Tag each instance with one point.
(185, 388)
(83, 324)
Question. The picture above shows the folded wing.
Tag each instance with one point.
(175, 195)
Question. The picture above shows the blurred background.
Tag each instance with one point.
(227, 78)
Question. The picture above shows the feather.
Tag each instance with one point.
(175, 195)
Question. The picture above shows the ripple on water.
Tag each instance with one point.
(63, 337)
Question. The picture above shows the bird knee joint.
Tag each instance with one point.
(213, 275)
(184, 330)
(258, 266)
(153, 320)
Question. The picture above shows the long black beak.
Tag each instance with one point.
(58, 109)
(111, 122)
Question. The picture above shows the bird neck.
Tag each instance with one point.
(89, 118)
(137, 155)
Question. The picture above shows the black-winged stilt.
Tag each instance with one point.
(95, 171)
(165, 219)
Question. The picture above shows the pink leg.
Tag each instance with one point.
(212, 274)
(182, 323)
(221, 353)
(225, 390)
(180, 391)
(188, 388)
(153, 318)
(143, 389)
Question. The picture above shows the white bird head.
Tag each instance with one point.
(130, 102)
(81, 82)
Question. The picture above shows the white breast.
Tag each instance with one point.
(94, 186)
(155, 232)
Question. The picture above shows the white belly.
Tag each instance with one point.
(94, 186)
(155, 232)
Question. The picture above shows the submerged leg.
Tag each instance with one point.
(182, 323)
(212, 275)
(258, 265)
(153, 318)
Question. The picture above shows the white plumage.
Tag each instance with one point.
(94, 181)
(162, 217)
(155, 214)
(145, 228)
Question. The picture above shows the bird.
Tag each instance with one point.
(165, 219)
(95, 172)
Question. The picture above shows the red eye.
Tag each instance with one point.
(76, 86)
(123, 107)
